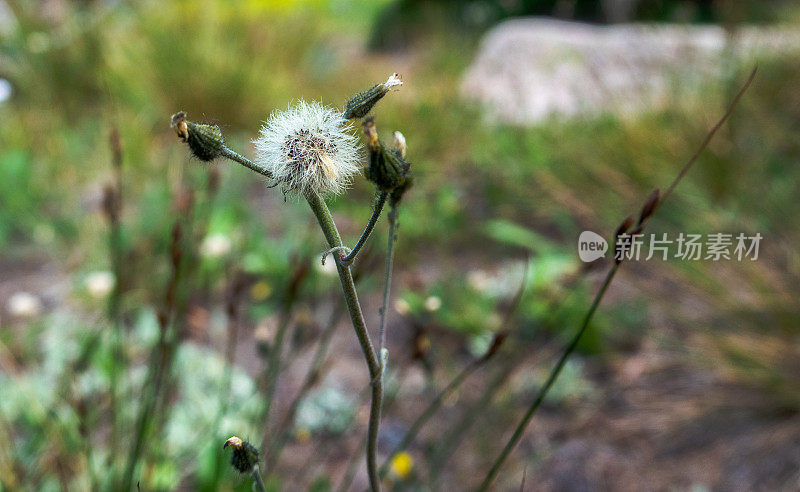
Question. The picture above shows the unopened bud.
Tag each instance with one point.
(384, 360)
(360, 105)
(400, 144)
(650, 206)
(624, 226)
(387, 168)
(372, 134)
(205, 141)
(399, 191)
(245, 455)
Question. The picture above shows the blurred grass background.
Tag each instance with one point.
(706, 341)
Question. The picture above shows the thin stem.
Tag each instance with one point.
(115, 246)
(574, 343)
(387, 277)
(325, 220)
(447, 442)
(258, 483)
(686, 167)
(549, 383)
(274, 369)
(376, 213)
(162, 354)
(462, 376)
(311, 377)
(431, 409)
(350, 471)
(226, 152)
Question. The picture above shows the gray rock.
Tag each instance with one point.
(529, 69)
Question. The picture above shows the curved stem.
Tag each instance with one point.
(376, 213)
(573, 344)
(325, 220)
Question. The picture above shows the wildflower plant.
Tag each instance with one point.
(312, 151)
(309, 148)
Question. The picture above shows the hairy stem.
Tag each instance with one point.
(226, 152)
(325, 220)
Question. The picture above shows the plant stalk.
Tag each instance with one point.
(387, 276)
(376, 213)
(328, 226)
(226, 152)
(258, 482)
(573, 344)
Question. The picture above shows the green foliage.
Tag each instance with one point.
(484, 194)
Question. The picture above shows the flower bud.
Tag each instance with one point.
(624, 227)
(387, 168)
(245, 455)
(205, 141)
(650, 206)
(400, 144)
(399, 191)
(359, 105)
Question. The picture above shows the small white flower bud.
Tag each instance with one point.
(400, 144)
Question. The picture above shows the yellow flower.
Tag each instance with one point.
(402, 464)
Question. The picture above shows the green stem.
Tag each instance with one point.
(376, 213)
(549, 383)
(258, 482)
(387, 280)
(325, 220)
(226, 152)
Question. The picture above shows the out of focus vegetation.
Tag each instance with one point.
(487, 197)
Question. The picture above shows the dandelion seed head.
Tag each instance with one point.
(309, 148)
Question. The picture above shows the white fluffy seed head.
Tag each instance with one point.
(309, 148)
